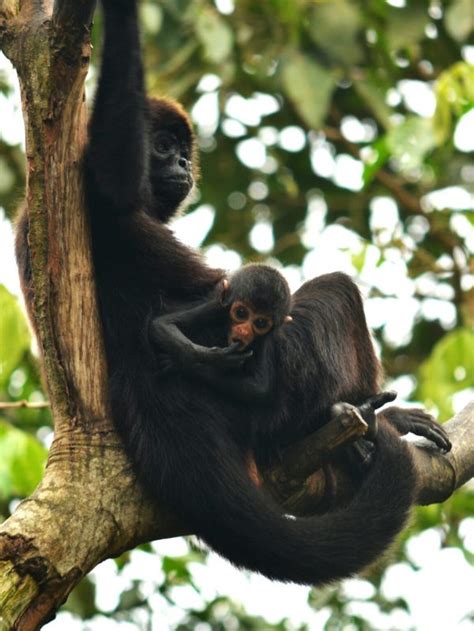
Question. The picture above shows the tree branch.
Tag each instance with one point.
(31, 405)
(299, 482)
(441, 475)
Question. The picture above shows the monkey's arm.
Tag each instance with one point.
(218, 367)
(166, 333)
(117, 155)
(256, 386)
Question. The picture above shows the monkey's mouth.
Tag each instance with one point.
(177, 182)
(237, 345)
(183, 181)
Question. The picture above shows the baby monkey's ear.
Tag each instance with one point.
(224, 289)
(287, 319)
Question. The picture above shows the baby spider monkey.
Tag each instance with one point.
(253, 305)
(252, 316)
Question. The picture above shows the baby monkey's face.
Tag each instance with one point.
(246, 324)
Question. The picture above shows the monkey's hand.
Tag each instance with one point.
(228, 358)
(419, 422)
(367, 411)
(360, 454)
(404, 420)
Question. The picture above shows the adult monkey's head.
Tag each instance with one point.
(173, 157)
(259, 301)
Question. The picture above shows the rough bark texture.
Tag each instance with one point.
(88, 506)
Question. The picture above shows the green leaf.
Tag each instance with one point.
(335, 28)
(14, 334)
(469, 216)
(152, 17)
(215, 35)
(5, 87)
(359, 259)
(449, 369)
(7, 176)
(22, 459)
(177, 570)
(309, 86)
(410, 141)
(459, 19)
(454, 96)
(381, 154)
(374, 97)
(406, 27)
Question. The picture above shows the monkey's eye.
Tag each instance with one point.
(262, 325)
(163, 145)
(240, 313)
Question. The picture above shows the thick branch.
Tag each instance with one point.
(300, 482)
(441, 475)
(8, 9)
(307, 456)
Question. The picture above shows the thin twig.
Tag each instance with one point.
(33, 405)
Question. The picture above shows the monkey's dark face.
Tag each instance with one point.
(171, 174)
(247, 324)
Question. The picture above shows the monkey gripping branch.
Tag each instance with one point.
(88, 506)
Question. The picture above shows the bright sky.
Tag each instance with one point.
(440, 593)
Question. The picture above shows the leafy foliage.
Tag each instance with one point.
(22, 459)
(13, 333)
(448, 370)
(22, 456)
(333, 135)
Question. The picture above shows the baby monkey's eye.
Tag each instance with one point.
(241, 313)
(262, 325)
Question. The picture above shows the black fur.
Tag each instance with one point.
(188, 444)
(328, 347)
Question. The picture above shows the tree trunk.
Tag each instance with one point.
(88, 506)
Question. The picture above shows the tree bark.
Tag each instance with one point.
(88, 506)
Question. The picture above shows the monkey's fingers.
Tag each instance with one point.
(228, 357)
(432, 431)
(381, 399)
(421, 423)
(233, 351)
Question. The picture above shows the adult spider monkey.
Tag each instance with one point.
(188, 443)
